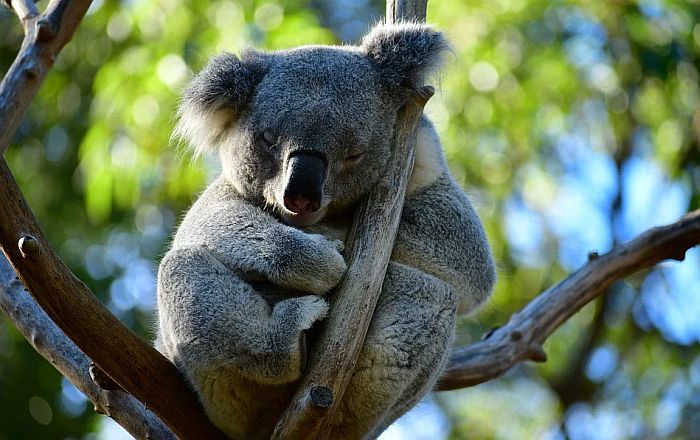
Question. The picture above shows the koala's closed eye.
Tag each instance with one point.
(266, 139)
(353, 159)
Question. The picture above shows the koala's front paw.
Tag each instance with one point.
(316, 266)
(287, 354)
(300, 313)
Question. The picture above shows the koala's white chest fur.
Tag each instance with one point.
(429, 164)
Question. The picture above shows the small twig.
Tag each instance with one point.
(494, 355)
(49, 341)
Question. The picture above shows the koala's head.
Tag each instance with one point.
(308, 131)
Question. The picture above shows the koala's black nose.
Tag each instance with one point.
(306, 172)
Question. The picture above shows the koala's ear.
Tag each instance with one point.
(216, 97)
(406, 53)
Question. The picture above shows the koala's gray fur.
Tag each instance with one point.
(246, 276)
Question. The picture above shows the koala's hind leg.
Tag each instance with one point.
(405, 351)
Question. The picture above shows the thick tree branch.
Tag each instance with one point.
(49, 341)
(522, 337)
(333, 358)
(136, 366)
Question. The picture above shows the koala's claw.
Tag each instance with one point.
(340, 245)
(332, 266)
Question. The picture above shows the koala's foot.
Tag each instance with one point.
(313, 263)
(282, 355)
(299, 314)
(404, 353)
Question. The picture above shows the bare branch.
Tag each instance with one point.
(44, 38)
(132, 363)
(49, 341)
(405, 10)
(124, 364)
(26, 12)
(522, 337)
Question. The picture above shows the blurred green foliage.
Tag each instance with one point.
(573, 125)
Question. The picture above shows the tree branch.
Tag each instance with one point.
(136, 366)
(49, 341)
(45, 36)
(405, 10)
(522, 337)
(26, 12)
(132, 363)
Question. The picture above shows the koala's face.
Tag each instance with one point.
(308, 131)
(315, 136)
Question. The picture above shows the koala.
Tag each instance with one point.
(303, 135)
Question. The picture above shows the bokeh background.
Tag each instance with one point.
(573, 124)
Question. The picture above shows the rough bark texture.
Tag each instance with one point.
(50, 342)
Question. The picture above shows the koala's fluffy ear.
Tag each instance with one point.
(215, 99)
(406, 53)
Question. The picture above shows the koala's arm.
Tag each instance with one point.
(210, 316)
(256, 246)
(440, 233)
(210, 320)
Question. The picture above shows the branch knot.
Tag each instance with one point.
(45, 30)
(28, 246)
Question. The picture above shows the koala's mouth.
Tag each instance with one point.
(302, 219)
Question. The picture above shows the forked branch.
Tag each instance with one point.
(44, 37)
(26, 12)
(131, 362)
